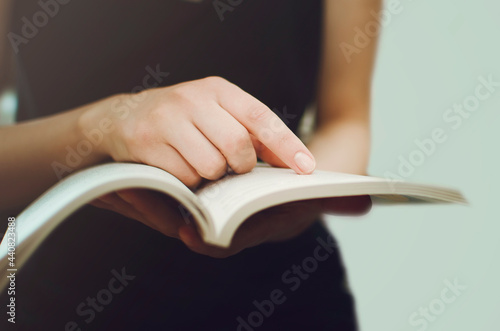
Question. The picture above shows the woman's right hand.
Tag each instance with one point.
(195, 130)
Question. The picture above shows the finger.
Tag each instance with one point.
(273, 224)
(198, 151)
(190, 236)
(354, 205)
(113, 202)
(267, 127)
(290, 219)
(169, 159)
(252, 233)
(159, 210)
(266, 155)
(228, 136)
(101, 204)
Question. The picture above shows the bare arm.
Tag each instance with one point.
(342, 139)
(27, 152)
(171, 128)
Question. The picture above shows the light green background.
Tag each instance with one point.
(398, 258)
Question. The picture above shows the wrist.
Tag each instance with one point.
(94, 128)
(342, 146)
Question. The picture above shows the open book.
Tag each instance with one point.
(218, 208)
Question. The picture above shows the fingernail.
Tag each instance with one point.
(305, 163)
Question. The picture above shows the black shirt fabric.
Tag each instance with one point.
(95, 48)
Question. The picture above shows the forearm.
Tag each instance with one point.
(34, 155)
(342, 146)
(345, 80)
(342, 140)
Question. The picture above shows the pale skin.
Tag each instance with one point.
(194, 130)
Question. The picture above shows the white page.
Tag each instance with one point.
(232, 199)
(48, 211)
(224, 198)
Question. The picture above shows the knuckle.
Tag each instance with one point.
(215, 80)
(184, 99)
(245, 166)
(239, 151)
(236, 141)
(120, 99)
(244, 162)
(258, 113)
(182, 93)
(191, 179)
(214, 167)
(241, 139)
(284, 140)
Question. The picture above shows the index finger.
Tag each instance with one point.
(267, 127)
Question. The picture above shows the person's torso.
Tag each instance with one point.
(95, 48)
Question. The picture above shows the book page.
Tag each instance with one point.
(234, 198)
(228, 194)
(224, 198)
(48, 211)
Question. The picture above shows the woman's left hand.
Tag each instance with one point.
(274, 224)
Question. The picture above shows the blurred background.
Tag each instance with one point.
(400, 260)
(8, 102)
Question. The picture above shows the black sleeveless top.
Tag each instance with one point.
(92, 49)
(95, 48)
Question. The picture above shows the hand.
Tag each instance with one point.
(271, 225)
(192, 130)
(195, 130)
(277, 224)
